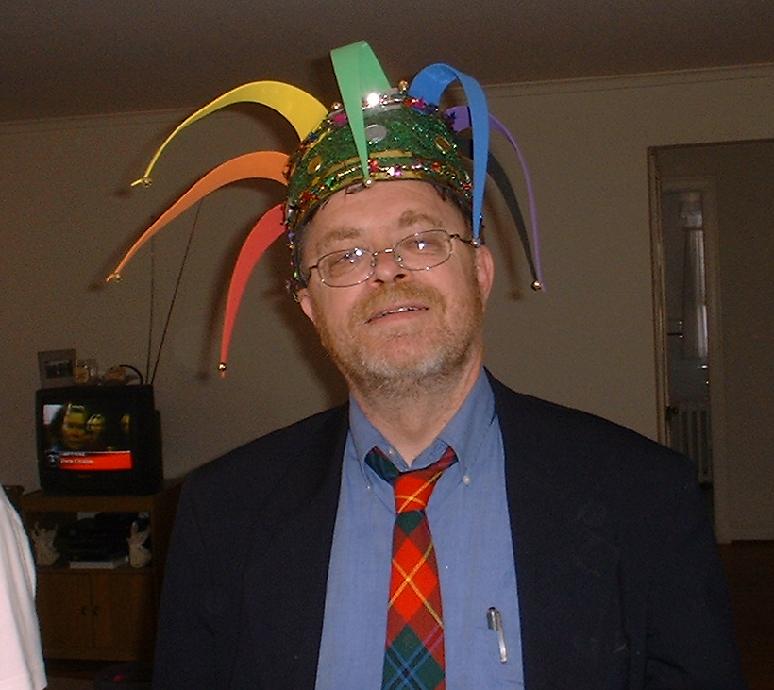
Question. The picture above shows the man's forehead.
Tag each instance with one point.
(404, 202)
(409, 220)
(349, 225)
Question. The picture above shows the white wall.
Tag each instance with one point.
(589, 342)
(65, 212)
(68, 212)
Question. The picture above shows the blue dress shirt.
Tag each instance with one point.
(469, 522)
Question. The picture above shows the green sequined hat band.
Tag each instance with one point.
(406, 138)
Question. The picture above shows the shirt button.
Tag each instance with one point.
(390, 451)
(465, 479)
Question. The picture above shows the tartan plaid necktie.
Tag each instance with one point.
(414, 657)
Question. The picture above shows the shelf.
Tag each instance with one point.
(40, 502)
(101, 613)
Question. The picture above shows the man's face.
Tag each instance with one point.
(74, 433)
(399, 327)
(96, 426)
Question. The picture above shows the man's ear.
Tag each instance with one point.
(485, 271)
(306, 303)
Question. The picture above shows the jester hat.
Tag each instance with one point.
(376, 133)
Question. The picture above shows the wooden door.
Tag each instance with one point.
(65, 613)
(124, 614)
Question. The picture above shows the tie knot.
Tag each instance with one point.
(413, 488)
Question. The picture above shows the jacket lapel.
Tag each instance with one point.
(290, 555)
(566, 566)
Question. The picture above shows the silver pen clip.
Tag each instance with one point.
(495, 622)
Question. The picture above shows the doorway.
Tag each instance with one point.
(688, 228)
(713, 250)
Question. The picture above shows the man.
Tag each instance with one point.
(535, 547)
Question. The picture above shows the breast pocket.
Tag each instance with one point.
(487, 669)
(618, 673)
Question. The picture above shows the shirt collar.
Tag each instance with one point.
(464, 431)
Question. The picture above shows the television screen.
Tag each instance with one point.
(98, 439)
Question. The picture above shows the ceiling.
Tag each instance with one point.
(76, 57)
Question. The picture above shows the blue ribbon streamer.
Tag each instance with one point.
(429, 85)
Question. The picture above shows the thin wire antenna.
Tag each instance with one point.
(152, 304)
(174, 293)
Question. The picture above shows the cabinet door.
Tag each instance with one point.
(124, 614)
(65, 612)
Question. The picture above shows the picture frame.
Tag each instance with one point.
(57, 368)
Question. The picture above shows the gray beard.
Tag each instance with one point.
(377, 376)
(386, 381)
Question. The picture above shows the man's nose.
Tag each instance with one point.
(386, 268)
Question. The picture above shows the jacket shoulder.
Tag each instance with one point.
(574, 441)
(302, 448)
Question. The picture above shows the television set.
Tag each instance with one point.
(98, 440)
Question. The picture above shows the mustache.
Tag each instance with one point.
(390, 294)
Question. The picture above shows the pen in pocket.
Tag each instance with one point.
(495, 622)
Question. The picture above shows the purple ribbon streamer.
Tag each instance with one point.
(461, 120)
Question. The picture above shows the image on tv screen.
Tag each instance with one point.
(83, 436)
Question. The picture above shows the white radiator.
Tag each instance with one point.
(691, 434)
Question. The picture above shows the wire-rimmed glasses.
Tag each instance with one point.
(420, 251)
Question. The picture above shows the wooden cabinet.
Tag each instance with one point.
(93, 613)
(90, 614)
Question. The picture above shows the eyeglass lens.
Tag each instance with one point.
(417, 252)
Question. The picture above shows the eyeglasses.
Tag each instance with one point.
(418, 252)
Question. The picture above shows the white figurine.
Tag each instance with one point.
(138, 554)
(43, 540)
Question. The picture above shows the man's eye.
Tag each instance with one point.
(423, 245)
(343, 260)
(349, 255)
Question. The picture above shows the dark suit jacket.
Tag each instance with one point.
(619, 581)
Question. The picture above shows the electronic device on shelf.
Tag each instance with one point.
(98, 440)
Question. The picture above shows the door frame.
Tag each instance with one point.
(706, 185)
